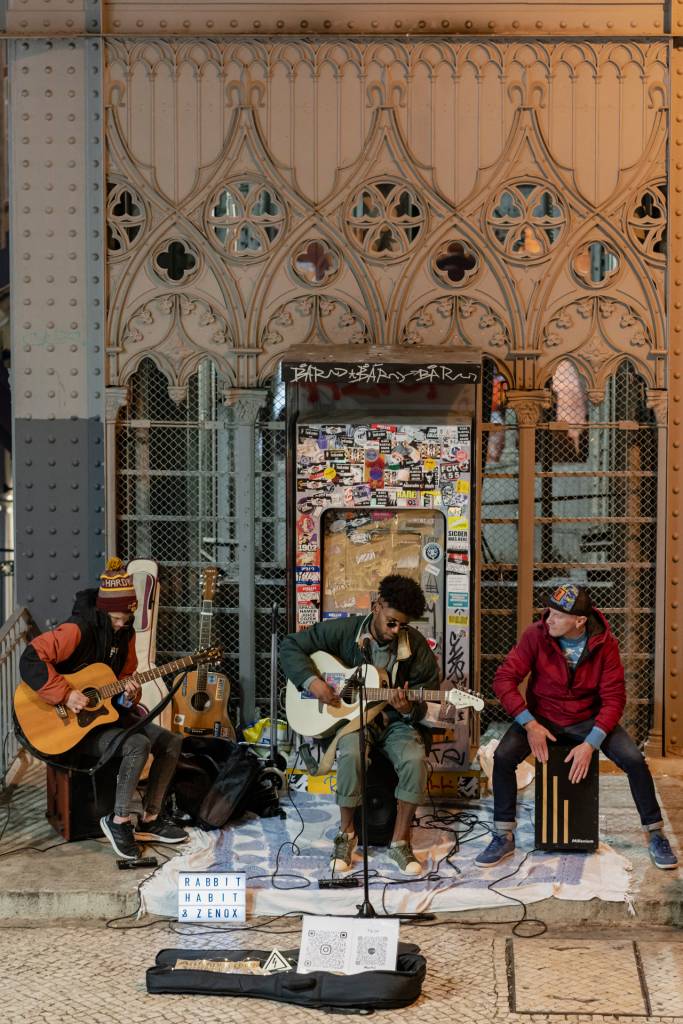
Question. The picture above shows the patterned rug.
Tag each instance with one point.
(284, 858)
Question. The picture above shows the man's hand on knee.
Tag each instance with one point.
(538, 737)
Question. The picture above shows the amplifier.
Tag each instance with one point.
(75, 805)
(566, 812)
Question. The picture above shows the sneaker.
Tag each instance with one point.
(120, 835)
(161, 830)
(402, 855)
(661, 854)
(502, 845)
(342, 857)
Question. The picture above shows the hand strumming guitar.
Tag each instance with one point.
(324, 693)
(76, 701)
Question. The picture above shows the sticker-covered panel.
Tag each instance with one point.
(383, 498)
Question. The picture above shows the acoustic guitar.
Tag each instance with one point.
(200, 707)
(310, 717)
(55, 729)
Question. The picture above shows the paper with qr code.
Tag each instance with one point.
(347, 945)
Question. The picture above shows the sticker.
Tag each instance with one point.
(307, 574)
(307, 614)
(330, 473)
(447, 493)
(457, 523)
(430, 465)
(180, 719)
(458, 600)
(432, 552)
(432, 569)
(459, 585)
(276, 962)
(463, 487)
(458, 620)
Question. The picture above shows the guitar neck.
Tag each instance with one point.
(205, 618)
(383, 693)
(112, 689)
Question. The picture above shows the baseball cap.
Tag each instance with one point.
(571, 599)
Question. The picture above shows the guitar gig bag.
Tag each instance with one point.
(321, 990)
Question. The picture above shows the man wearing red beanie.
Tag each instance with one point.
(100, 630)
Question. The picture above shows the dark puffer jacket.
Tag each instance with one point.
(86, 638)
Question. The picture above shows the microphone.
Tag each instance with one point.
(366, 648)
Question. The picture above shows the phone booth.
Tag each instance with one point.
(382, 479)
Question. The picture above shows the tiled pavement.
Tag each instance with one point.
(95, 975)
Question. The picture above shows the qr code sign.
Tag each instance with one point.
(330, 947)
(371, 950)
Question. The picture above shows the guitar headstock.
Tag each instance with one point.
(208, 654)
(209, 581)
(463, 699)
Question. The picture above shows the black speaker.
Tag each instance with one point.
(381, 780)
(566, 812)
(74, 806)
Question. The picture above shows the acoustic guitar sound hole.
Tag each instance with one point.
(200, 701)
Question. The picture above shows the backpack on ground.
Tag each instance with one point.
(218, 780)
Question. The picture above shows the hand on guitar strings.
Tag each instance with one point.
(132, 689)
(76, 701)
(398, 700)
(324, 693)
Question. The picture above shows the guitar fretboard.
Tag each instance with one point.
(205, 618)
(384, 693)
(119, 685)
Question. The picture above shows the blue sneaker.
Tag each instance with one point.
(502, 845)
(661, 854)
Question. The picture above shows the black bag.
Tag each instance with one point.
(360, 993)
(217, 780)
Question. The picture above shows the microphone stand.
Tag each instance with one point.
(366, 909)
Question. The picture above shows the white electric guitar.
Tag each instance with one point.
(310, 717)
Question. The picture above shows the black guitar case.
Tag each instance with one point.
(321, 990)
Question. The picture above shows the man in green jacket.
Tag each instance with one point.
(393, 645)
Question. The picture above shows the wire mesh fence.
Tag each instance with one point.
(177, 485)
(499, 536)
(595, 516)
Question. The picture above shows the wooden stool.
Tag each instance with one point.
(566, 814)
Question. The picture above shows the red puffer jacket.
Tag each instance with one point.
(595, 688)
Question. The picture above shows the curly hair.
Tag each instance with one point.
(404, 595)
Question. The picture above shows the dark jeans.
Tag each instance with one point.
(617, 745)
(164, 746)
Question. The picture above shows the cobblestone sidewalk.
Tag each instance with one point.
(94, 975)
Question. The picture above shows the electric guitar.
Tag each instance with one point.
(200, 707)
(55, 729)
(310, 717)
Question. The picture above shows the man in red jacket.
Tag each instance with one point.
(100, 631)
(575, 694)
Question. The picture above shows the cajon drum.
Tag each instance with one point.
(566, 812)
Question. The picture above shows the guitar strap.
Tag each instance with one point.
(328, 757)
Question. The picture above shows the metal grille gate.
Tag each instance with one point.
(594, 499)
(176, 490)
(595, 520)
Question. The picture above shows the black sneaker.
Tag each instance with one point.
(161, 830)
(120, 835)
